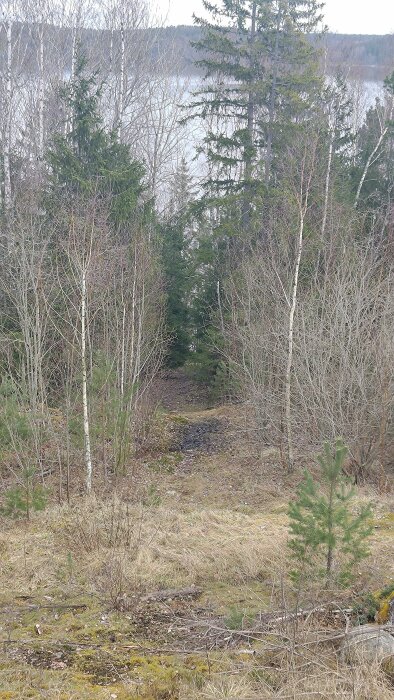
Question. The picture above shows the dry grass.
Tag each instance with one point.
(236, 553)
(159, 546)
(361, 683)
(296, 669)
(222, 688)
(21, 682)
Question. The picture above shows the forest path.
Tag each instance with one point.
(179, 392)
(80, 614)
(200, 430)
(210, 460)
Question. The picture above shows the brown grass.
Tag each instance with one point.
(299, 668)
(203, 534)
(159, 546)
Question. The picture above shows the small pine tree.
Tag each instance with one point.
(22, 500)
(324, 532)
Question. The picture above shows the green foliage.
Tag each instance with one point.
(19, 501)
(365, 609)
(14, 425)
(177, 263)
(14, 422)
(260, 73)
(177, 279)
(206, 339)
(237, 619)
(326, 538)
(89, 160)
(153, 498)
(386, 592)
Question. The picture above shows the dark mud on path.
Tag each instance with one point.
(201, 436)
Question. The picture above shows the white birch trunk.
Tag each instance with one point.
(290, 345)
(368, 165)
(327, 185)
(122, 86)
(302, 198)
(41, 96)
(384, 120)
(7, 123)
(86, 424)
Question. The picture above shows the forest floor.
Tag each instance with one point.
(177, 589)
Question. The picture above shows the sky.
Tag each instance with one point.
(343, 16)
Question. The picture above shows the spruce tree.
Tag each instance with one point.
(260, 88)
(261, 80)
(327, 539)
(177, 241)
(88, 160)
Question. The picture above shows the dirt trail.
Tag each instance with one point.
(203, 431)
(179, 392)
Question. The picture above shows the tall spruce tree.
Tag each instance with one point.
(260, 89)
(261, 81)
(176, 260)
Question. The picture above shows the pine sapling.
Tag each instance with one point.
(325, 534)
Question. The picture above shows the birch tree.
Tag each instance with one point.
(82, 268)
(127, 64)
(302, 196)
(39, 16)
(10, 36)
(383, 115)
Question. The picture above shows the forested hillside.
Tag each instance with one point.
(196, 356)
(367, 57)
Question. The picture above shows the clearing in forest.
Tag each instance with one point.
(176, 588)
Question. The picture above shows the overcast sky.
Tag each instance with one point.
(347, 16)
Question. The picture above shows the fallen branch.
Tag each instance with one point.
(172, 594)
(54, 606)
(103, 646)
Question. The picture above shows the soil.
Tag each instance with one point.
(177, 391)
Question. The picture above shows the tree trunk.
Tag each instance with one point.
(368, 165)
(330, 525)
(41, 96)
(384, 125)
(7, 123)
(122, 86)
(86, 425)
(271, 106)
(327, 185)
(290, 451)
(248, 157)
